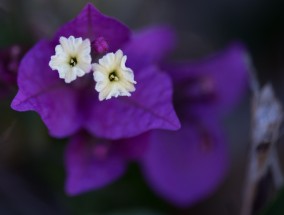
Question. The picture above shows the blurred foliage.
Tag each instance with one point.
(276, 207)
(129, 192)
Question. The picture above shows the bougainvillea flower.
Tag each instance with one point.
(67, 108)
(187, 165)
(113, 77)
(72, 58)
(92, 163)
(9, 62)
(182, 166)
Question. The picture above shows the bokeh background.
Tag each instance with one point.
(31, 163)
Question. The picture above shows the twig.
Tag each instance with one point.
(267, 116)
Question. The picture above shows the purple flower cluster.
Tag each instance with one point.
(66, 109)
(182, 165)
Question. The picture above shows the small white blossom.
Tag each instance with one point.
(72, 58)
(113, 77)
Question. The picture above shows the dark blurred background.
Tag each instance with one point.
(31, 163)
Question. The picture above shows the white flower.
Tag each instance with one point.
(113, 77)
(72, 58)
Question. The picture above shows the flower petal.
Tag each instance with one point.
(149, 107)
(187, 165)
(41, 90)
(149, 46)
(90, 23)
(91, 165)
(226, 73)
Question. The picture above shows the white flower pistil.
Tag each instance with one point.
(112, 77)
(72, 58)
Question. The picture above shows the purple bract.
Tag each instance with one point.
(187, 165)
(69, 108)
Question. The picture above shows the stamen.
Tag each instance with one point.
(113, 76)
(73, 62)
